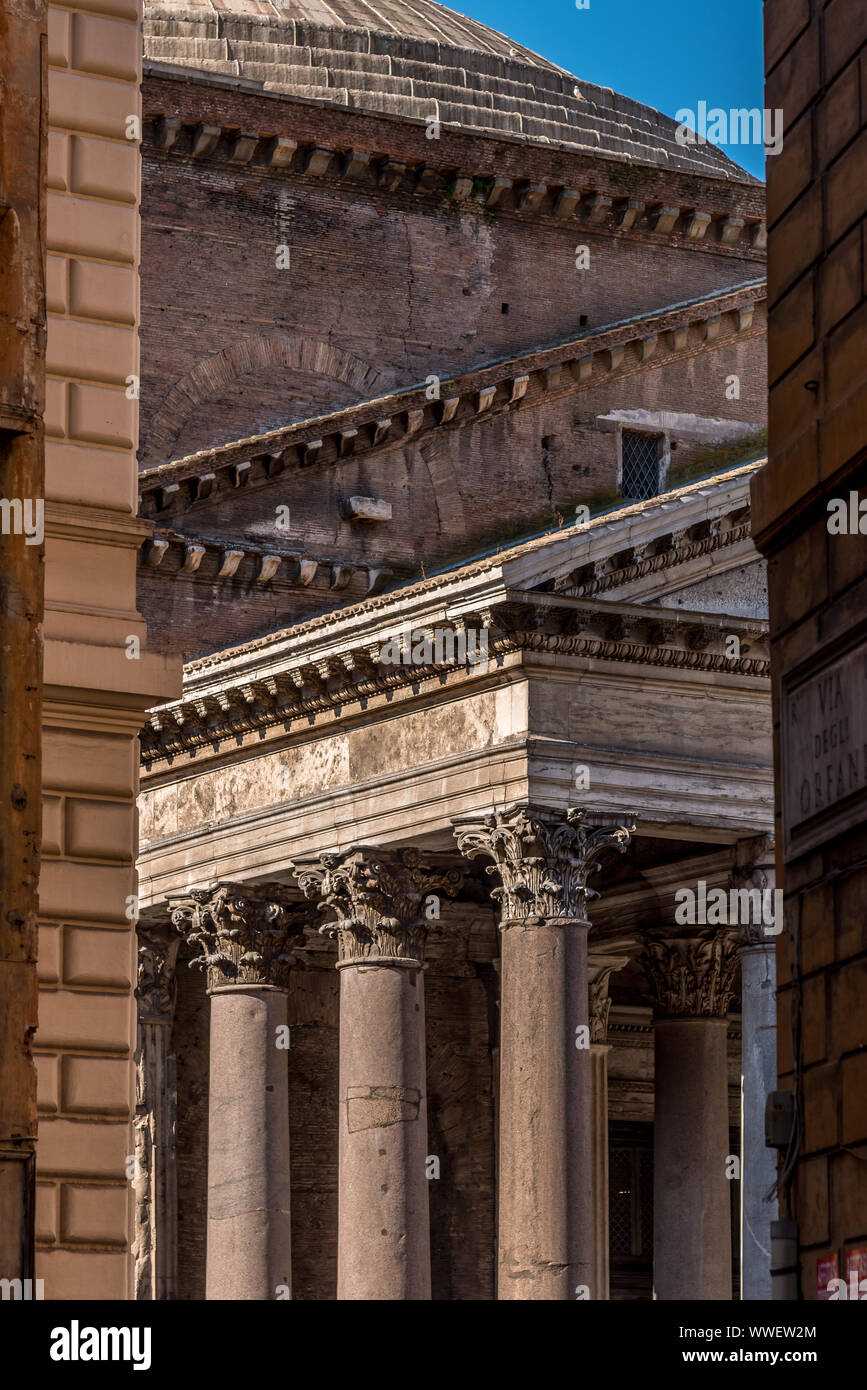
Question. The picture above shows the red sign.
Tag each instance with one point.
(856, 1272)
(826, 1270)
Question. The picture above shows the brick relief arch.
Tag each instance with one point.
(215, 375)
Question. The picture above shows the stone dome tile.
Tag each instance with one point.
(396, 55)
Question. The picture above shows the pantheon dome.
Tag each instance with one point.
(416, 61)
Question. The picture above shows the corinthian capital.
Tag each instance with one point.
(385, 901)
(242, 931)
(155, 987)
(543, 857)
(692, 977)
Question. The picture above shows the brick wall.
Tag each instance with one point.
(94, 695)
(453, 493)
(406, 286)
(816, 60)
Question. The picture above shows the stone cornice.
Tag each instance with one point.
(522, 622)
(663, 553)
(241, 564)
(486, 579)
(244, 127)
(616, 350)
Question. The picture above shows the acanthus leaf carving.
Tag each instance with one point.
(379, 898)
(241, 930)
(692, 977)
(542, 857)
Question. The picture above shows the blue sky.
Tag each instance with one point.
(667, 53)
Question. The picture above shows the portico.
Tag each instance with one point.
(487, 854)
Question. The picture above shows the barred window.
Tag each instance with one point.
(639, 478)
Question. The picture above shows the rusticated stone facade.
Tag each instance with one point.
(809, 504)
(22, 399)
(99, 676)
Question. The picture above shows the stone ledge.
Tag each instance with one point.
(170, 489)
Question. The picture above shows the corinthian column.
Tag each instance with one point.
(692, 979)
(243, 933)
(154, 1184)
(753, 873)
(600, 968)
(543, 859)
(385, 902)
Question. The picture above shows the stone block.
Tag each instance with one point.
(95, 1215)
(59, 29)
(840, 282)
(846, 190)
(100, 829)
(78, 1148)
(813, 1020)
(791, 332)
(58, 160)
(48, 963)
(97, 1085)
(820, 1107)
(69, 1019)
(56, 395)
(817, 928)
(47, 1082)
(86, 1274)
(86, 476)
(813, 1206)
(102, 415)
(105, 47)
(80, 103)
(845, 30)
(46, 1212)
(98, 957)
(837, 116)
(56, 277)
(94, 891)
(85, 228)
(103, 291)
(105, 169)
(848, 1006)
(796, 241)
(95, 351)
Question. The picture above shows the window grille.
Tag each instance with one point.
(639, 477)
